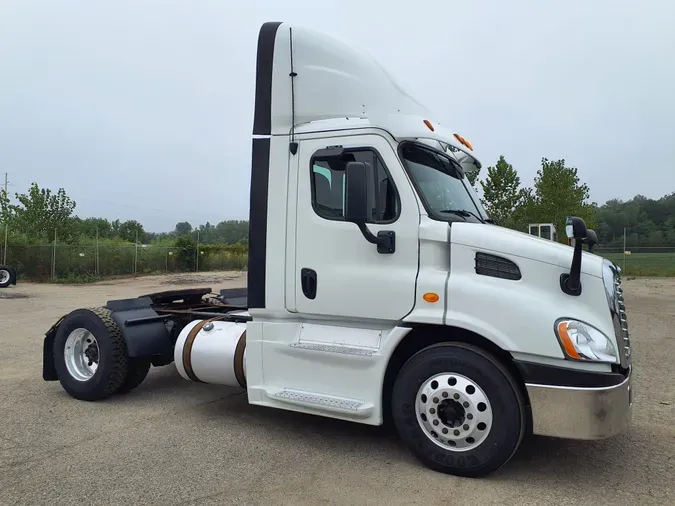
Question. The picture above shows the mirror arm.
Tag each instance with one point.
(369, 236)
(385, 239)
(570, 283)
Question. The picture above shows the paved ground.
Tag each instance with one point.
(174, 442)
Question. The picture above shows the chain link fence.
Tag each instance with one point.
(73, 263)
(81, 263)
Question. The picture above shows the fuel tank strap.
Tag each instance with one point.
(239, 360)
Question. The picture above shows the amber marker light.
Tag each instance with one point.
(431, 297)
(463, 141)
(429, 125)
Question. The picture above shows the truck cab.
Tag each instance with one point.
(377, 288)
(544, 230)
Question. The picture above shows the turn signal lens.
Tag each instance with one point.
(431, 297)
(429, 125)
(583, 342)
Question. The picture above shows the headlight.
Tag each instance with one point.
(582, 342)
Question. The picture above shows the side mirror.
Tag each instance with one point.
(356, 206)
(356, 196)
(591, 239)
(575, 228)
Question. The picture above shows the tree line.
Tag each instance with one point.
(39, 214)
(558, 192)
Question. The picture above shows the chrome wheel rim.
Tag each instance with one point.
(4, 276)
(454, 412)
(81, 354)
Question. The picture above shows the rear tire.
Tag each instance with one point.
(90, 355)
(7, 275)
(138, 370)
(458, 410)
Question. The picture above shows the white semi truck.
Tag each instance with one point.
(378, 290)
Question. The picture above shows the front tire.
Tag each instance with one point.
(90, 355)
(458, 410)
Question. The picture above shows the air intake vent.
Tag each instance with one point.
(496, 267)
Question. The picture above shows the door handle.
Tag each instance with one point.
(308, 282)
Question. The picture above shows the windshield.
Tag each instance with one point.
(443, 188)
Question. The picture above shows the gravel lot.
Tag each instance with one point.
(175, 442)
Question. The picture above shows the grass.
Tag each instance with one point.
(644, 264)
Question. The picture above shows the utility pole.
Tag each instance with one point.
(4, 250)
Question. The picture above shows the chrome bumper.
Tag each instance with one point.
(581, 413)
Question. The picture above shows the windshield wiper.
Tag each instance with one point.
(463, 213)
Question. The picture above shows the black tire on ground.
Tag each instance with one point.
(503, 393)
(138, 370)
(6, 276)
(113, 364)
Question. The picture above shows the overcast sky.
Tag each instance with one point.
(143, 109)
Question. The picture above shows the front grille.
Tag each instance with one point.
(620, 321)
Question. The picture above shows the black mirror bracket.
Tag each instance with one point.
(570, 282)
(385, 239)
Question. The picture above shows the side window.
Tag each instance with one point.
(546, 232)
(328, 186)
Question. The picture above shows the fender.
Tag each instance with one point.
(144, 329)
(408, 338)
(145, 333)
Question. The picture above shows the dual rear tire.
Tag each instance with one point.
(458, 410)
(7, 276)
(91, 357)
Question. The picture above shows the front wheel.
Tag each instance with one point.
(458, 410)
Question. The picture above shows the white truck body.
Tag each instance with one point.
(334, 320)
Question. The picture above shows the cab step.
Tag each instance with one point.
(330, 403)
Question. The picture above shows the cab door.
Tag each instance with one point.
(338, 273)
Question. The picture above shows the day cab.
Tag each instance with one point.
(379, 290)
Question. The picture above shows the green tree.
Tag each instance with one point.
(5, 210)
(501, 192)
(472, 176)
(129, 230)
(558, 193)
(40, 212)
(183, 228)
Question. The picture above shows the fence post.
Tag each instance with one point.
(624, 250)
(136, 254)
(4, 251)
(98, 272)
(54, 258)
(197, 262)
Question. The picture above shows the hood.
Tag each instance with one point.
(485, 237)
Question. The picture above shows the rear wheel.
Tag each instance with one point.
(5, 276)
(138, 370)
(90, 355)
(458, 410)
